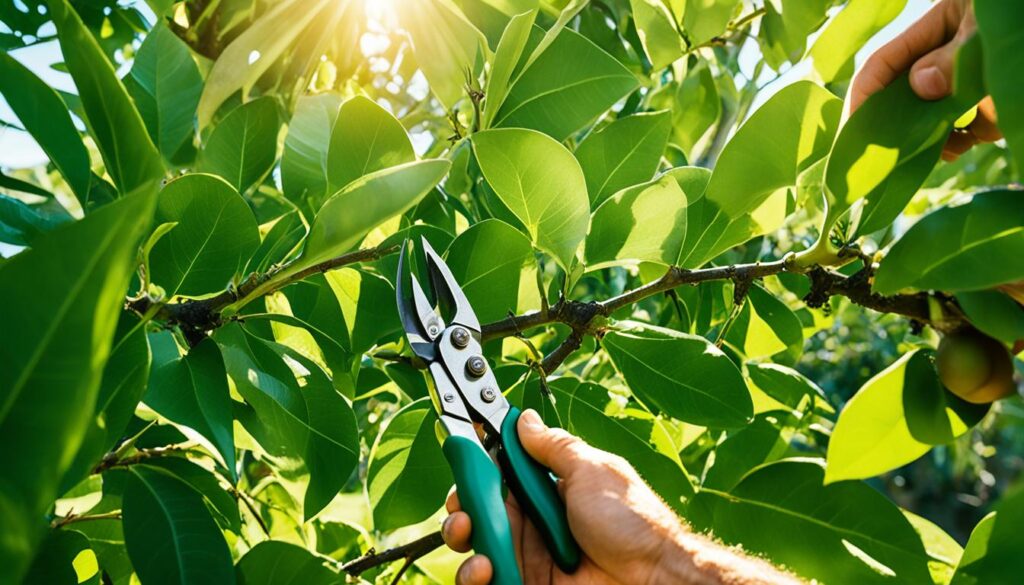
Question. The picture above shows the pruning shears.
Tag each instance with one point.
(466, 396)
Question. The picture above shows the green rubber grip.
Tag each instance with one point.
(537, 494)
(478, 483)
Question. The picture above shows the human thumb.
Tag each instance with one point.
(931, 77)
(553, 448)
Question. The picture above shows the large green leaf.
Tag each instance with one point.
(1004, 67)
(365, 138)
(21, 223)
(992, 553)
(682, 376)
(586, 410)
(58, 560)
(888, 147)
(43, 115)
(696, 107)
(215, 235)
(847, 32)
(223, 504)
(192, 390)
(408, 476)
(895, 418)
(541, 183)
(973, 246)
(993, 313)
(750, 184)
(365, 203)
(300, 415)
(128, 153)
(658, 33)
(241, 64)
(569, 84)
(304, 162)
(704, 19)
(743, 450)
(645, 223)
(786, 385)
(766, 326)
(446, 44)
(166, 88)
(359, 295)
(281, 563)
(169, 533)
(783, 33)
(59, 303)
(624, 153)
(488, 260)
(844, 533)
(510, 49)
(243, 146)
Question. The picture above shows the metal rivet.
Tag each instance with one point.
(449, 397)
(476, 366)
(488, 394)
(433, 329)
(460, 337)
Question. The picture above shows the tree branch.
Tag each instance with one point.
(410, 552)
(197, 317)
(71, 518)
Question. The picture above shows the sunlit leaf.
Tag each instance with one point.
(624, 153)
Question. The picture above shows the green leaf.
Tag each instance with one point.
(446, 44)
(408, 476)
(704, 19)
(59, 303)
(366, 203)
(658, 33)
(624, 153)
(751, 182)
(166, 89)
(58, 560)
(567, 86)
(304, 162)
(895, 418)
(783, 34)
(786, 385)
(192, 390)
(252, 53)
(695, 109)
(488, 261)
(587, 411)
(944, 550)
(510, 49)
(993, 313)
(847, 32)
(282, 563)
(169, 533)
(43, 115)
(769, 326)
(841, 533)
(968, 247)
(541, 183)
(645, 223)
(359, 295)
(128, 154)
(222, 504)
(21, 223)
(888, 147)
(215, 235)
(743, 450)
(992, 553)
(1004, 67)
(300, 415)
(243, 146)
(365, 138)
(682, 376)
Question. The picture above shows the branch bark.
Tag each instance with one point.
(410, 552)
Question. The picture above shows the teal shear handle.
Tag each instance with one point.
(537, 494)
(479, 486)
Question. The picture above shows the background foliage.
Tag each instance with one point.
(681, 253)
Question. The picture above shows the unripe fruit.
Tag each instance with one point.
(975, 367)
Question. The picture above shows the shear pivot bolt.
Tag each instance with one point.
(460, 337)
(449, 397)
(476, 366)
(488, 394)
(433, 329)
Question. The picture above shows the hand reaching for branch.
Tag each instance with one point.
(627, 534)
(928, 50)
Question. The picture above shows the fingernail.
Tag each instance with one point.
(532, 420)
(929, 82)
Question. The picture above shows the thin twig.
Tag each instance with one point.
(72, 518)
(410, 552)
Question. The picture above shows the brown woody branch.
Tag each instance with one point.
(197, 317)
(409, 552)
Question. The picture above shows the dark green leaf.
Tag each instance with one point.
(56, 562)
(991, 555)
(215, 235)
(408, 476)
(21, 223)
(59, 303)
(1004, 68)
(682, 376)
(786, 385)
(222, 504)
(169, 533)
(282, 563)
(243, 146)
(994, 314)
(757, 443)
(488, 261)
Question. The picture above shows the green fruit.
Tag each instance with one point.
(975, 367)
